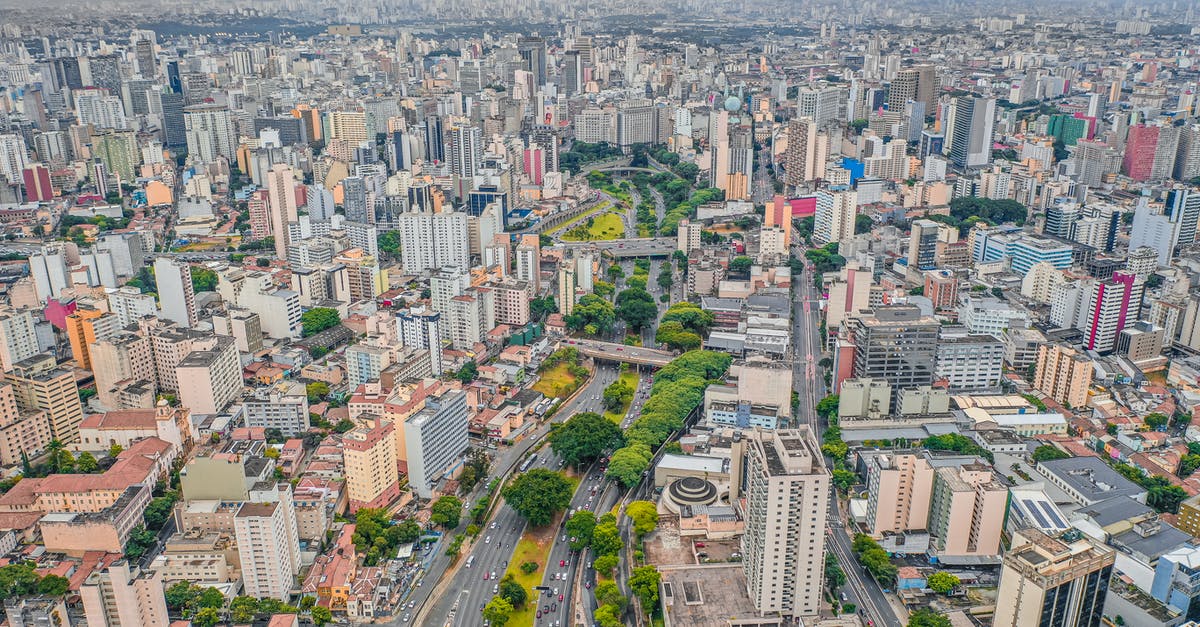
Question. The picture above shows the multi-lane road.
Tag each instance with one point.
(468, 591)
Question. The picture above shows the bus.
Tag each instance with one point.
(528, 462)
(470, 561)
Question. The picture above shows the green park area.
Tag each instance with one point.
(595, 228)
(628, 379)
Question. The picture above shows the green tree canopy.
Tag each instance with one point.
(644, 515)
(318, 319)
(942, 582)
(580, 526)
(592, 314)
(538, 495)
(446, 511)
(636, 307)
(498, 611)
(926, 617)
(627, 464)
(203, 279)
(1048, 452)
(643, 581)
(584, 437)
(690, 316)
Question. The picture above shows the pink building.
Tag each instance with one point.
(1108, 312)
(1139, 152)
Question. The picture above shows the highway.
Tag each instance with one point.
(636, 247)
(619, 352)
(509, 527)
(494, 547)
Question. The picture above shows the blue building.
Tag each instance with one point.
(1177, 581)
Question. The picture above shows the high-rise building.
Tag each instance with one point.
(899, 489)
(970, 362)
(1114, 305)
(94, 107)
(210, 377)
(896, 344)
(806, 153)
(14, 157)
(835, 216)
(465, 144)
(429, 241)
(786, 490)
(434, 439)
(54, 391)
(572, 72)
(422, 329)
(821, 105)
(123, 594)
(529, 261)
(18, 338)
(435, 141)
(174, 282)
(209, 132)
(268, 543)
(919, 83)
(1063, 374)
(281, 200)
(1177, 580)
(369, 450)
(966, 514)
(118, 151)
(533, 57)
(1048, 580)
(922, 244)
(969, 138)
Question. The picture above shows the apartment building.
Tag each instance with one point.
(966, 514)
(369, 456)
(1047, 580)
(123, 594)
(900, 488)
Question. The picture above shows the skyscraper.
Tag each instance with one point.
(922, 244)
(281, 199)
(919, 83)
(268, 542)
(435, 142)
(806, 154)
(533, 57)
(175, 292)
(209, 132)
(572, 72)
(1059, 581)
(354, 199)
(896, 344)
(786, 491)
(970, 124)
(466, 150)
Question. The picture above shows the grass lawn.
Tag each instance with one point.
(605, 226)
(602, 206)
(556, 381)
(533, 547)
(631, 379)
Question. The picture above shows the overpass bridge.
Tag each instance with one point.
(609, 351)
(633, 247)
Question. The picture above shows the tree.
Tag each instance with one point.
(467, 373)
(617, 395)
(606, 538)
(644, 515)
(180, 594)
(605, 564)
(541, 307)
(580, 527)
(389, 243)
(316, 391)
(690, 316)
(321, 615)
(211, 597)
(1047, 452)
(115, 450)
(584, 437)
(445, 511)
(608, 616)
(627, 464)
(140, 541)
(538, 495)
(643, 581)
(592, 314)
(664, 279)
(203, 279)
(243, 609)
(86, 463)
(207, 617)
(343, 426)
(926, 617)
(740, 265)
(1155, 421)
(942, 582)
(844, 479)
(636, 307)
(828, 406)
(53, 585)
(318, 319)
(863, 224)
(834, 575)
(513, 591)
(497, 611)
(1165, 498)
(607, 593)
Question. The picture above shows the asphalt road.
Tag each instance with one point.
(468, 588)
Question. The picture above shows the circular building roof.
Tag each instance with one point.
(692, 491)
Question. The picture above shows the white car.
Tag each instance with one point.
(487, 540)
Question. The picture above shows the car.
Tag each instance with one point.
(495, 588)
(493, 574)
(560, 597)
(406, 617)
(539, 613)
(412, 604)
(487, 540)
(493, 524)
(554, 607)
(564, 538)
(486, 576)
(700, 545)
(588, 585)
(562, 562)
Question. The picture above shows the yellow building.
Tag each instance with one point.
(1063, 373)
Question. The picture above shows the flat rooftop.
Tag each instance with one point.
(708, 596)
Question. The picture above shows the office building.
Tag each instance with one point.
(970, 362)
(969, 138)
(175, 291)
(369, 454)
(465, 144)
(1177, 581)
(434, 440)
(422, 330)
(806, 153)
(210, 132)
(1063, 374)
(922, 244)
(835, 216)
(532, 51)
(899, 490)
(786, 491)
(1059, 581)
(528, 256)
(918, 83)
(41, 387)
(895, 344)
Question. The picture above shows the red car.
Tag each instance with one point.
(560, 597)
(562, 562)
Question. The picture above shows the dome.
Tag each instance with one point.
(733, 103)
(692, 491)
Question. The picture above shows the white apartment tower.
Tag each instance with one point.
(786, 490)
(268, 543)
(175, 291)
